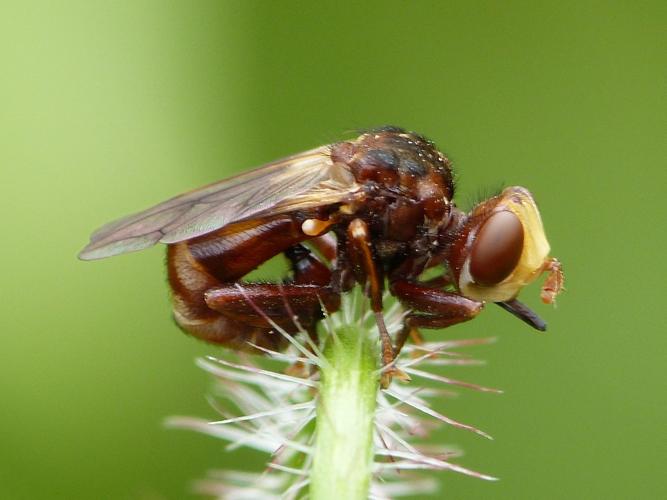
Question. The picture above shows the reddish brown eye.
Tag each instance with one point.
(496, 249)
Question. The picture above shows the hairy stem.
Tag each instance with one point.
(342, 463)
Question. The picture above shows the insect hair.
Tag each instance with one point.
(481, 194)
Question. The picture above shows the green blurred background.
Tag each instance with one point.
(108, 107)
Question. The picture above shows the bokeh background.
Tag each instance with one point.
(109, 107)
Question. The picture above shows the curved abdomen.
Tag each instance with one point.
(224, 257)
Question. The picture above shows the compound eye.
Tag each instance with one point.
(497, 248)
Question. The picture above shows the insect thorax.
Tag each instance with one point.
(408, 183)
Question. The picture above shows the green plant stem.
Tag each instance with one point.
(342, 463)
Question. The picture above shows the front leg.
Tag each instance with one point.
(433, 308)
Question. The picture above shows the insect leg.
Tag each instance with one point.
(293, 306)
(438, 281)
(433, 308)
(241, 301)
(222, 258)
(325, 246)
(307, 268)
(290, 305)
(367, 273)
(342, 278)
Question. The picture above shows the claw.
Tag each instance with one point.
(299, 370)
(388, 376)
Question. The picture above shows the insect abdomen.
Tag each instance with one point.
(220, 258)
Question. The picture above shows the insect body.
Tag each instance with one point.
(378, 210)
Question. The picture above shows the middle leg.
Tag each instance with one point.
(367, 272)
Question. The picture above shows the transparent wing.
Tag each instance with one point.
(302, 181)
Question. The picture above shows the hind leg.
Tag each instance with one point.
(292, 306)
(214, 309)
(260, 305)
(222, 258)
